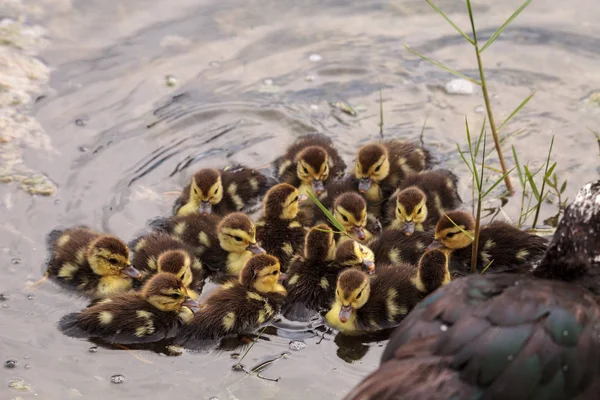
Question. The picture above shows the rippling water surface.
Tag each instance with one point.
(250, 77)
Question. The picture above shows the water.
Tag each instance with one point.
(145, 92)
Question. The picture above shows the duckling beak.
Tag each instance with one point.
(359, 232)
(345, 313)
(408, 228)
(369, 266)
(205, 207)
(191, 304)
(436, 244)
(282, 277)
(255, 249)
(364, 184)
(302, 197)
(131, 272)
(317, 186)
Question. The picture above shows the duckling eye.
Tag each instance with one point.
(113, 261)
(450, 235)
(274, 272)
(217, 190)
(295, 199)
(358, 295)
(305, 170)
(237, 238)
(174, 295)
(378, 168)
(419, 210)
(196, 191)
(344, 218)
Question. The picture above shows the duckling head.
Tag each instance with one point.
(350, 209)
(411, 209)
(237, 234)
(206, 189)
(178, 263)
(448, 231)
(313, 168)
(353, 254)
(109, 256)
(262, 273)
(319, 244)
(352, 292)
(167, 292)
(281, 201)
(372, 165)
(433, 270)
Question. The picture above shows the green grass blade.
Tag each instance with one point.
(486, 267)
(518, 167)
(563, 187)
(504, 25)
(450, 22)
(534, 188)
(442, 66)
(481, 134)
(462, 155)
(597, 138)
(328, 214)
(469, 234)
(497, 182)
(516, 110)
(549, 173)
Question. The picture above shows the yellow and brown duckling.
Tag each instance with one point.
(311, 278)
(221, 191)
(93, 264)
(507, 248)
(237, 243)
(366, 303)
(506, 336)
(279, 231)
(381, 166)
(421, 199)
(155, 313)
(240, 306)
(350, 209)
(196, 230)
(394, 246)
(161, 252)
(310, 163)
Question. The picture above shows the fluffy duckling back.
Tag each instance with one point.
(221, 191)
(196, 230)
(90, 263)
(237, 243)
(309, 163)
(241, 306)
(279, 231)
(394, 246)
(367, 304)
(509, 249)
(155, 313)
(161, 252)
(421, 199)
(381, 166)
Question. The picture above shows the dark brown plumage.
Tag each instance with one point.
(505, 335)
(279, 231)
(239, 306)
(196, 230)
(89, 263)
(162, 252)
(511, 249)
(312, 150)
(155, 313)
(381, 166)
(222, 191)
(393, 246)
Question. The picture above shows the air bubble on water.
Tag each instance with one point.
(93, 349)
(444, 328)
(237, 367)
(30, 296)
(235, 356)
(15, 261)
(315, 57)
(214, 64)
(10, 364)
(80, 122)
(268, 82)
(297, 345)
(213, 398)
(118, 378)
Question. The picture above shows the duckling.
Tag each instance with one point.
(196, 230)
(221, 191)
(309, 163)
(507, 248)
(421, 199)
(279, 231)
(381, 166)
(237, 243)
(152, 314)
(312, 277)
(161, 252)
(393, 246)
(506, 336)
(90, 263)
(364, 304)
(240, 306)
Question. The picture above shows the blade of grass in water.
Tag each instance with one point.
(442, 66)
(516, 110)
(328, 214)
(504, 25)
(460, 31)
